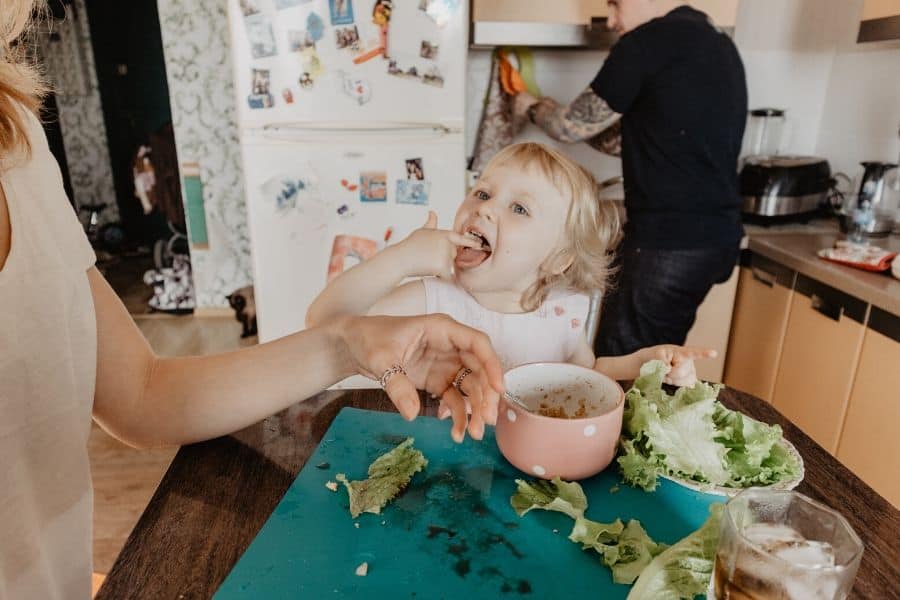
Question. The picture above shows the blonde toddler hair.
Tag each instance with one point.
(583, 261)
(20, 83)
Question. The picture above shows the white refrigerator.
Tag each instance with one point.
(351, 118)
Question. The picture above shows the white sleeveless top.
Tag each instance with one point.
(551, 333)
(48, 364)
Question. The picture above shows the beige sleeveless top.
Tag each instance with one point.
(48, 359)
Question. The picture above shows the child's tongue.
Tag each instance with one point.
(467, 258)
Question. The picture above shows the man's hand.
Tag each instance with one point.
(432, 349)
(521, 103)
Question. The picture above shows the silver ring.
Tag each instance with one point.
(462, 374)
(386, 376)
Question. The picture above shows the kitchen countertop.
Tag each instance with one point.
(216, 496)
(795, 246)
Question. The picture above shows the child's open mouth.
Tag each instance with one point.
(467, 258)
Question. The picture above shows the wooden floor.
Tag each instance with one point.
(125, 478)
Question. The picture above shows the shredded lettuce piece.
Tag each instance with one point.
(388, 475)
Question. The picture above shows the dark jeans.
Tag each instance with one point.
(655, 295)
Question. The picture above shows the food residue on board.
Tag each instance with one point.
(389, 474)
(331, 485)
(362, 570)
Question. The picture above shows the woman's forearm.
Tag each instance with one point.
(191, 399)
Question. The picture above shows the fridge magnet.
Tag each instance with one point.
(381, 16)
(349, 186)
(414, 169)
(429, 50)
(288, 95)
(412, 192)
(388, 234)
(439, 11)
(341, 11)
(433, 77)
(312, 66)
(315, 26)
(260, 36)
(305, 81)
(260, 96)
(405, 69)
(373, 186)
(348, 251)
(249, 7)
(299, 40)
(366, 55)
(356, 88)
(347, 37)
(284, 191)
(282, 4)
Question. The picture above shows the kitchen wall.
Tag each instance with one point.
(199, 69)
(69, 61)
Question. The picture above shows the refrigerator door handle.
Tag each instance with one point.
(301, 130)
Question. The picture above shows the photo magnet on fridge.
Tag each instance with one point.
(358, 89)
(404, 68)
(341, 11)
(414, 169)
(260, 36)
(299, 40)
(260, 95)
(428, 50)
(347, 37)
(413, 192)
(432, 76)
(373, 186)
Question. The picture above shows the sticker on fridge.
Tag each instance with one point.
(407, 69)
(412, 192)
(440, 11)
(348, 251)
(414, 169)
(341, 11)
(433, 76)
(358, 89)
(260, 95)
(260, 36)
(373, 186)
(315, 26)
(289, 192)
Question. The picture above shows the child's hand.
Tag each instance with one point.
(680, 359)
(431, 251)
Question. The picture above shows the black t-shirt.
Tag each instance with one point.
(680, 87)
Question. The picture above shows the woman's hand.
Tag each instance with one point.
(431, 251)
(682, 372)
(432, 349)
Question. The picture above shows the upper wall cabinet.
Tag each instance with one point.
(880, 21)
(562, 23)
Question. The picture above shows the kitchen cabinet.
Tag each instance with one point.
(712, 327)
(869, 444)
(578, 12)
(761, 310)
(818, 360)
(880, 21)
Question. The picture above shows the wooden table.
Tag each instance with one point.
(216, 496)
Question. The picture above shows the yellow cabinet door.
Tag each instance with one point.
(757, 327)
(869, 444)
(818, 359)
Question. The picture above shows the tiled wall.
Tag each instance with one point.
(199, 69)
(70, 68)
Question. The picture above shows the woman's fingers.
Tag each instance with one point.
(403, 394)
(471, 387)
(454, 401)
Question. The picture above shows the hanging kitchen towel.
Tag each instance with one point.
(498, 127)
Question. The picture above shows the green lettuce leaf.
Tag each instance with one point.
(632, 554)
(591, 534)
(388, 475)
(557, 495)
(691, 435)
(683, 570)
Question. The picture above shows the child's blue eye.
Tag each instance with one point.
(519, 209)
(482, 195)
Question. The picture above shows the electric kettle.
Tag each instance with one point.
(871, 195)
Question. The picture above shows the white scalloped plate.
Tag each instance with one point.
(728, 492)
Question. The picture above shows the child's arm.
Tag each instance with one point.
(679, 358)
(427, 251)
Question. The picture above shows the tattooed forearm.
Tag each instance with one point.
(608, 141)
(584, 118)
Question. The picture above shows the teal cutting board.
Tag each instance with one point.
(452, 534)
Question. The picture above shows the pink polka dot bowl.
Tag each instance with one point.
(572, 423)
